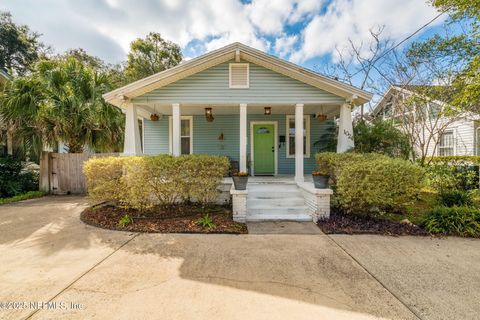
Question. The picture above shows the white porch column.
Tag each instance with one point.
(345, 129)
(131, 146)
(299, 142)
(243, 137)
(176, 124)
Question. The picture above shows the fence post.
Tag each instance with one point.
(44, 179)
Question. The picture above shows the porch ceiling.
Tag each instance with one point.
(196, 109)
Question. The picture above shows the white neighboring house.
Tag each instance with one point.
(461, 136)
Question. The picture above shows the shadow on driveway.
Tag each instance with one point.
(50, 251)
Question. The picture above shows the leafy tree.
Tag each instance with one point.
(19, 47)
(381, 137)
(61, 100)
(151, 55)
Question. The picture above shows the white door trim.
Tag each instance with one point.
(275, 143)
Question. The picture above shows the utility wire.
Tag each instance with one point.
(400, 43)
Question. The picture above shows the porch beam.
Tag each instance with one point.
(176, 126)
(243, 137)
(131, 146)
(345, 129)
(299, 143)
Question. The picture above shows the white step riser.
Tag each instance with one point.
(284, 202)
(270, 217)
(272, 188)
(278, 211)
(274, 195)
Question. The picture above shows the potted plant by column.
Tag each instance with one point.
(240, 180)
(320, 179)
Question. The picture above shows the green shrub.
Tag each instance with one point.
(453, 172)
(142, 182)
(15, 179)
(381, 137)
(206, 222)
(450, 198)
(366, 183)
(125, 221)
(103, 177)
(462, 221)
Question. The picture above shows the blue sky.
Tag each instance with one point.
(306, 32)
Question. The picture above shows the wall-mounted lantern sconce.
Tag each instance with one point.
(268, 111)
(209, 114)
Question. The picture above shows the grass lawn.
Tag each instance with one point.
(23, 196)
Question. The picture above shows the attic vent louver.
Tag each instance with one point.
(239, 75)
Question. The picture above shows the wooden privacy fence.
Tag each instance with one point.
(62, 173)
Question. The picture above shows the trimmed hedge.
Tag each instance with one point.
(366, 183)
(462, 221)
(143, 182)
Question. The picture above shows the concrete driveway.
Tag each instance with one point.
(82, 272)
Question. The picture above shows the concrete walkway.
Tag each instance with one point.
(49, 255)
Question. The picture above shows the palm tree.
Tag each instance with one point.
(62, 101)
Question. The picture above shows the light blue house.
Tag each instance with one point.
(263, 112)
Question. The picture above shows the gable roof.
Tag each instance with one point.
(236, 51)
(418, 90)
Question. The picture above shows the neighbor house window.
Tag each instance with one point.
(239, 75)
(186, 135)
(446, 146)
(291, 136)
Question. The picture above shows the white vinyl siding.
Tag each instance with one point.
(290, 138)
(239, 75)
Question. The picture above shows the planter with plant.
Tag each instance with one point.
(240, 180)
(320, 179)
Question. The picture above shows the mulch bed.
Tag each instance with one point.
(340, 223)
(183, 219)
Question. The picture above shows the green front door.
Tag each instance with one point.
(264, 149)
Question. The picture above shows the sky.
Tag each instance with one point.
(305, 32)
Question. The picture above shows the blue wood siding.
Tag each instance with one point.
(212, 86)
(206, 138)
(155, 136)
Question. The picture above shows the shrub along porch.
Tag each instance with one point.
(266, 114)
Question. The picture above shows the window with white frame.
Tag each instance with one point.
(186, 134)
(446, 145)
(239, 75)
(290, 139)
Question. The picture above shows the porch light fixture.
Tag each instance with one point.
(268, 111)
(209, 114)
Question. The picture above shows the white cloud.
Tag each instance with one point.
(285, 44)
(352, 19)
(106, 27)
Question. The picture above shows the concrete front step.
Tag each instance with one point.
(278, 217)
(269, 187)
(280, 210)
(275, 202)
